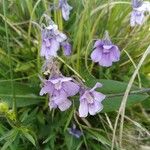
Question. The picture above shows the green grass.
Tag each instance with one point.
(20, 65)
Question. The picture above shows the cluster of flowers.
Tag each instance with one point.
(60, 88)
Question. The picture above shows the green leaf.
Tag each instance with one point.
(25, 95)
(97, 136)
(29, 137)
(7, 144)
(146, 104)
(9, 134)
(9, 137)
(68, 119)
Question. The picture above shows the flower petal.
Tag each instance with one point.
(66, 11)
(139, 18)
(70, 88)
(65, 105)
(105, 61)
(98, 96)
(47, 42)
(58, 99)
(114, 54)
(53, 48)
(47, 88)
(83, 108)
(97, 85)
(98, 43)
(96, 55)
(60, 37)
(67, 48)
(107, 47)
(95, 108)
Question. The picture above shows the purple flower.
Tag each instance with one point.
(67, 48)
(105, 52)
(137, 17)
(90, 101)
(75, 132)
(61, 101)
(51, 40)
(65, 85)
(138, 13)
(59, 89)
(65, 8)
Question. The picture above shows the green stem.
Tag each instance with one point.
(132, 92)
(10, 61)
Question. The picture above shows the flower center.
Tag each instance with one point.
(58, 85)
(90, 98)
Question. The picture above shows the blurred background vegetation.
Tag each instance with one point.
(20, 64)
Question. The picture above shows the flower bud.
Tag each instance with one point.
(3, 107)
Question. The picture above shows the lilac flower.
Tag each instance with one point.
(59, 89)
(137, 17)
(90, 101)
(105, 52)
(67, 48)
(75, 132)
(141, 5)
(51, 40)
(65, 8)
(60, 101)
(60, 84)
(138, 13)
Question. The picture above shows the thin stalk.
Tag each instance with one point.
(60, 21)
(10, 62)
(132, 92)
(30, 22)
(105, 5)
(138, 75)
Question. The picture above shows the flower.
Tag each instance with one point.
(105, 52)
(137, 17)
(51, 40)
(141, 5)
(59, 89)
(75, 132)
(60, 84)
(138, 13)
(90, 101)
(67, 48)
(65, 8)
(61, 101)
